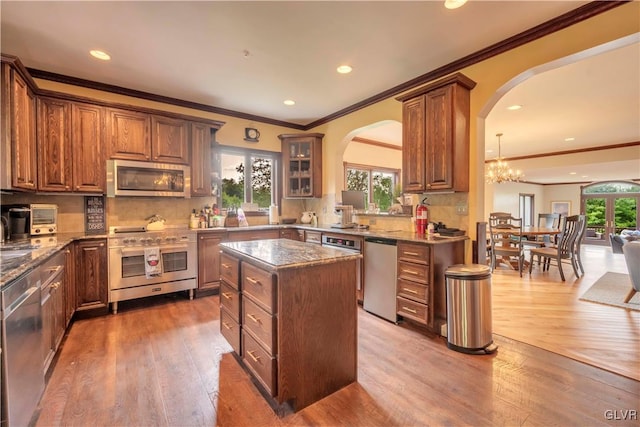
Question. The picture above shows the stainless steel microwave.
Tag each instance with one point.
(131, 178)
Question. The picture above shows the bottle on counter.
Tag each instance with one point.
(194, 220)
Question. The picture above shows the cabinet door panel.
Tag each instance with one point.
(209, 260)
(129, 135)
(92, 287)
(169, 140)
(439, 139)
(88, 148)
(413, 145)
(23, 138)
(201, 161)
(54, 145)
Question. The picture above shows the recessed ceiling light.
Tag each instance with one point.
(344, 69)
(585, 176)
(572, 173)
(454, 4)
(289, 102)
(100, 54)
(569, 139)
(489, 151)
(514, 107)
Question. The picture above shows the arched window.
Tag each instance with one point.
(610, 207)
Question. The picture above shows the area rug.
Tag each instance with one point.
(611, 289)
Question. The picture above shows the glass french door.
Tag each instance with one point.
(609, 213)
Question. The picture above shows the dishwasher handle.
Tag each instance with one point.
(381, 241)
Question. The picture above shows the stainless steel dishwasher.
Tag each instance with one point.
(380, 268)
(23, 380)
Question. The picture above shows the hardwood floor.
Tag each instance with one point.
(155, 363)
(541, 310)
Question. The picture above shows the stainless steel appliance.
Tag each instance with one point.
(380, 274)
(346, 217)
(44, 219)
(51, 272)
(18, 221)
(22, 376)
(131, 178)
(128, 277)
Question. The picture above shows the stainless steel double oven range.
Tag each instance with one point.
(129, 249)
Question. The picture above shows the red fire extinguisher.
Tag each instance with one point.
(422, 217)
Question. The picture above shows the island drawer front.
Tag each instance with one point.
(261, 364)
(412, 310)
(313, 237)
(413, 291)
(414, 272)
(259, 285)
(260, 324)
(230, 300)
(230, 329)
(229, 269)
(413, 252)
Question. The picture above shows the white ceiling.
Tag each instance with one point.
(250, 56)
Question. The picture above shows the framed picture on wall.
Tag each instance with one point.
(561, 207)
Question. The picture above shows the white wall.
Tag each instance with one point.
(560, 193)
(505, 197)
(367, 154)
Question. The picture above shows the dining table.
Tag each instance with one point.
(528, 230)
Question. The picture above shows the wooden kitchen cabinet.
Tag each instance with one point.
(209, 259)
(69, 283)
(201, 159)
(18, 128)
(169, 140)
(240, 235)
(302, 160)
(292, 234)
(435, 136)
(230, 301)
(130, 135)
(421, 287)
(313, 237)
(87, 146)
(92, 288)
(70, 146)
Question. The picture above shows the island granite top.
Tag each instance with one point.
(278, 254)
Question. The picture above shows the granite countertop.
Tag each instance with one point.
(407, 236)
(278, 254)
(21, 256)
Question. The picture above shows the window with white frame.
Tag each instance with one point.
(254, 184)
(379, 184)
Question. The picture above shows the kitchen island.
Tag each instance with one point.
(289, 310)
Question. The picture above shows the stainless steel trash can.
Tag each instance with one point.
(469, 309)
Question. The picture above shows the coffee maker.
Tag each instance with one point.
(346, 216)
(17, 220)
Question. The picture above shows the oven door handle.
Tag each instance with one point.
(163, 249)
(173, 248)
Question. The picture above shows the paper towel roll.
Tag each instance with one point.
(273, 214)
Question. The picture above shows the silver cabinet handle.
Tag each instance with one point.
(409, 310)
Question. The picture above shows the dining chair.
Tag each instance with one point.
(545, 220)
(577, 250)
(564, 251)
(505, 232)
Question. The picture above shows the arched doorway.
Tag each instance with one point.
(610, 207)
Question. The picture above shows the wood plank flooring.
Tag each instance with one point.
(541, 310)
(155, 363)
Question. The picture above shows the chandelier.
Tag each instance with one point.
(499, 171)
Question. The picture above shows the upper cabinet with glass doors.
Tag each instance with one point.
(302, 160)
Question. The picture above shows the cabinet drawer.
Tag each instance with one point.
(412, 310)
(413, 291)
(230, 300)
(260, 324)
(258, 284)
(230, 330)
(313, 237)
(413, 252)
(229, 270)
(414, 272)
(260, 363)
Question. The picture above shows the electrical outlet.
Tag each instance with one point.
(372, 221)
(461, 209)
